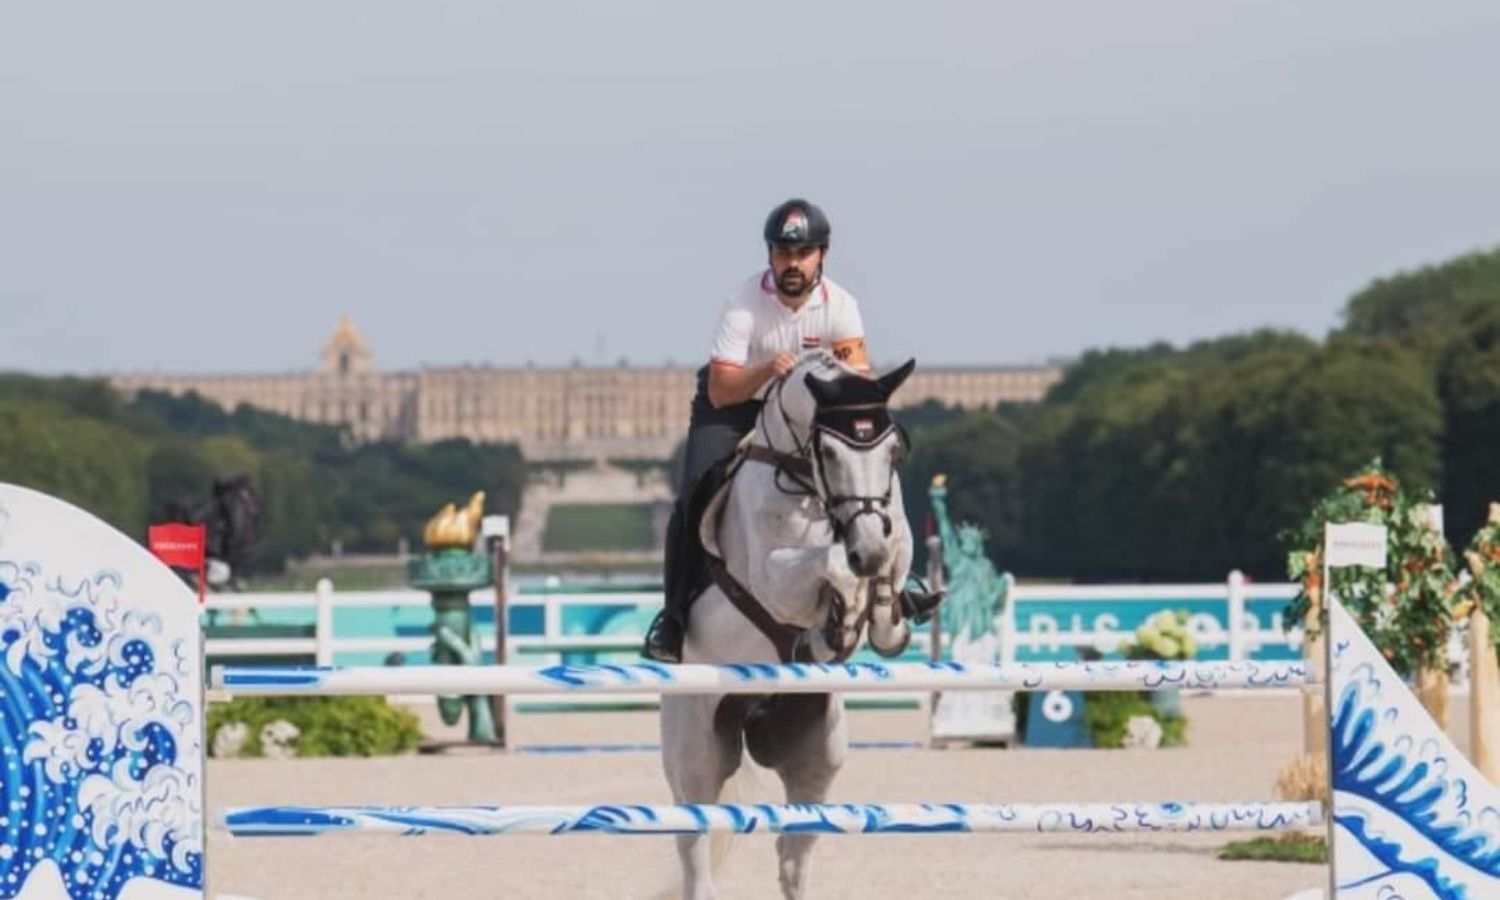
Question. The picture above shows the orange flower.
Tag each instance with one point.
(1378, 489)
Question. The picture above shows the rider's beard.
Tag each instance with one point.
(791, 282)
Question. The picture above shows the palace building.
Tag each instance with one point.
(581, 412)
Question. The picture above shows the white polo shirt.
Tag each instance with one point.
(757, 327)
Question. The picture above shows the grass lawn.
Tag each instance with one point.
(344, 578)
(583, 527)
(1291, 847)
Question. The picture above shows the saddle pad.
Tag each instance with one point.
(708, 524)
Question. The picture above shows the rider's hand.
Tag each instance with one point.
(783, 365)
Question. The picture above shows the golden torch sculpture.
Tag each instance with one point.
(453, 528)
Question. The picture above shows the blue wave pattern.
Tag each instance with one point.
(825, 818)
(562, 679)
(1148, 675)
(93, 724)
(1412, 816)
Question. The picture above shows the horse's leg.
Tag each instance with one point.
(805, 573)
(890, 632)
(698, 758)
(807, 771)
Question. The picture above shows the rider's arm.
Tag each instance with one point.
(731, 378)
(848, 338)
(729, 384)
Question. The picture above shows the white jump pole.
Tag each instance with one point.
(810, 818)
(846, 678)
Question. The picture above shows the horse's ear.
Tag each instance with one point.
(892, 380)
(823, 391)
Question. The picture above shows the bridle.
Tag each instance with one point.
(878, 505)
(805, 464)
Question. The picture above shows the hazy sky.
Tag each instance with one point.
(197, 186)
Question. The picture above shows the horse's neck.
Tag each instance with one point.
(760, 518)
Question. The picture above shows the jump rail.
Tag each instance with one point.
(755, 679)
(824, 818)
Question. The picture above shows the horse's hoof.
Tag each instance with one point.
(891, 652)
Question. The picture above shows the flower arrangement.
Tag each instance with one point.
(1163, 636)
(1405, 609)
(1482, 560)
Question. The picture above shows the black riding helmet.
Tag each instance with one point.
(797, 223)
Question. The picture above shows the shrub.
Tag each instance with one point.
(1290, 847)
(1108, 713)
(326, 726)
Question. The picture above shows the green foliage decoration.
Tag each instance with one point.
(1107, 715)
(329, 726)
(1165, 636)
(1405, 608)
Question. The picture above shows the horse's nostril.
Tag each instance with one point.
(854, 560)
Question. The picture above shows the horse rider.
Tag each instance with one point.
(788, 308)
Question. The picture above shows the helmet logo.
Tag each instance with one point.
(795, 227)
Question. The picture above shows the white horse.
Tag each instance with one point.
(814, 533)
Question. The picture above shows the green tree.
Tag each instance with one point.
(1469, 383)
(1184, 467)
(1425, 309)
(981, 453)
(93, 464)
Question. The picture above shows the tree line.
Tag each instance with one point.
(1167, 463)
(131, 461)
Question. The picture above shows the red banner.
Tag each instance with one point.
(181, 547)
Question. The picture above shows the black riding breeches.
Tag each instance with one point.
(712, 436)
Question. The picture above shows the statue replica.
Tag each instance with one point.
(976, 596)
(449, 569)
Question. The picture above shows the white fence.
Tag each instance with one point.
(1045, 632)
(1245, 633)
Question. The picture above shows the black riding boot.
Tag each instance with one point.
(664, 637)
(918, 602)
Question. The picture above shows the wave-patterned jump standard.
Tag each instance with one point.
(755, 678)
(812, 818)
(1412, 817)
(101, 719)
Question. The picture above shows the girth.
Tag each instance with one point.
(785, 638)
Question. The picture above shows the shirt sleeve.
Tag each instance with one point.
(732, 341)
(846, 323)
(846, 335)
